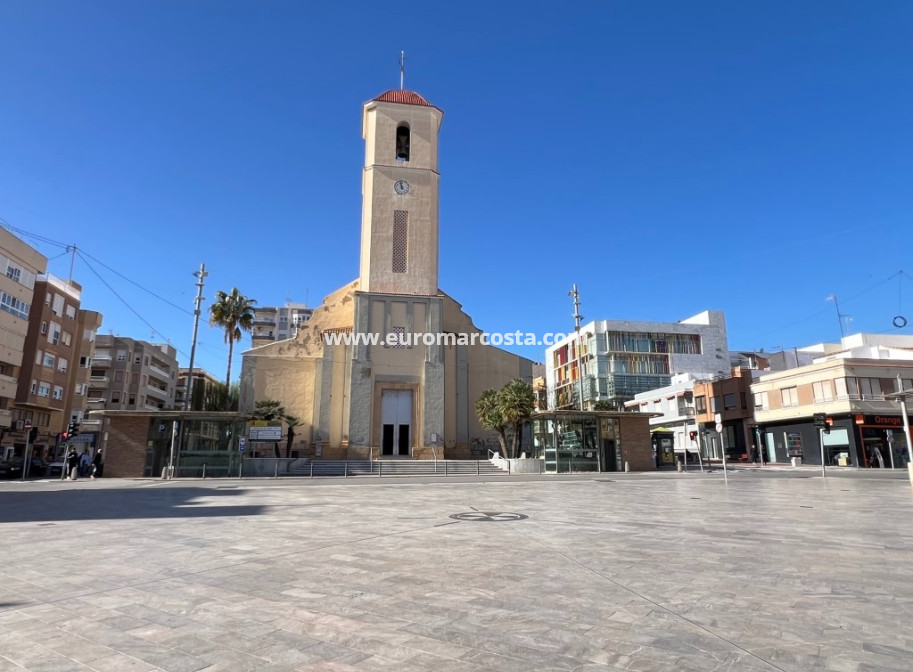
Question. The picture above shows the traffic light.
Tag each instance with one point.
(828, 424)
(33, 434)
(72, 430)
(692, 434)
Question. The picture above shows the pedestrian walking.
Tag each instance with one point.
(85, 462)
(97, 465)
(73, 464)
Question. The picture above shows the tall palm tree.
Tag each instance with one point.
(292, 421)
(234, 313)
(489, 411)
(516, 402)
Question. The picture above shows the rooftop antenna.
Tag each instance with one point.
(574, 294)
(402, 69)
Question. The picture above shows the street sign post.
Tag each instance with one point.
(242, 443)
(27, 425)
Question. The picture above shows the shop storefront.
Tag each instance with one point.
(882, 443)
(581, 441)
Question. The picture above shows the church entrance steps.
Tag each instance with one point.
(380, 468)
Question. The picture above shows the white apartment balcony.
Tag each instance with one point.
(150, 407)
(159, 392)
(98, 380)
(8, 386)
(101, 360)
(96, 402)
(6, 418)
(160, 373)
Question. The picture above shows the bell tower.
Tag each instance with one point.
(399, 221)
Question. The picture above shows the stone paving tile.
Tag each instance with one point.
(678, 573)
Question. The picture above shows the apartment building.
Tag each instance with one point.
(127, 374)
(49, 354)
(88, 322)
(611, 361)
(20, 265)
(848, 383)
(201, 377)
(278, 323)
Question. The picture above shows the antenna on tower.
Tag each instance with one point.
(402, 69)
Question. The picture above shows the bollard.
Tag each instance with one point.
(276, 475)
(627, 467)
(164, 472)
(204, 470)
(312, 470)
(477, 468)
(678, 465)
(380, 469)
(345, 469)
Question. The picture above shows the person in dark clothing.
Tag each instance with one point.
(97, 465)
(73, 464)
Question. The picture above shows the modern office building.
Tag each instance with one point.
(20, 265)
(277, 323)
(610, 361)
(132, 375)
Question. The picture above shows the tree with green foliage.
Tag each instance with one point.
(269, 410)
(516, 403)
(234, 313)
(291, 421)
(488, 409)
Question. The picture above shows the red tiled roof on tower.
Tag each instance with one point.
(403, 97)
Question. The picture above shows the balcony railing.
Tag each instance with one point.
(98, 379)
(158, 391)
(159, 372)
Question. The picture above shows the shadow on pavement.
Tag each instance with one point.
(116, 504)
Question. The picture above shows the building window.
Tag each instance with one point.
(49, 360)
(760, 401)
(729, 401)
(700, 404)
(71, 312)
(63, 365)
(789, 396)
(403, 140)
(43, 419)
(744, 399)
(67, 338)
(58, 392)
(131, 400)
(57, 304)
(14, 306)
(115, 397)
(13, 272)
(399, 335)
(137, 359)
(118, 376)
(121, 355)
(823, 390)
(34, 387)
(870, 388)
(44, 328)
(400, 240)
(44, 389)
(83, 362)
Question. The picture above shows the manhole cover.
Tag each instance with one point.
(488, 516)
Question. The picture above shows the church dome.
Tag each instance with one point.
(402, 97)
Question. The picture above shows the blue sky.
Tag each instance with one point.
(668, 157)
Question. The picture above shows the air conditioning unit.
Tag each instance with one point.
(20, 424)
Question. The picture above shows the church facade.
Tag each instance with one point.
(409, 397)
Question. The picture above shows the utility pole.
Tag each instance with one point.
(72, 263)
(577, 317)
(201, 276)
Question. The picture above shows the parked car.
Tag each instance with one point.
(38, 467)
(54, 470)
(10, 470)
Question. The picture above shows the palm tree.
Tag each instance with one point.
(292, 422)
(489, 411)
(516, 402)
(269, 409)
(233, 312)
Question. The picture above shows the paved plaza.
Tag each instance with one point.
(678, 572)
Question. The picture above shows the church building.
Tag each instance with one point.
(414, 397)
